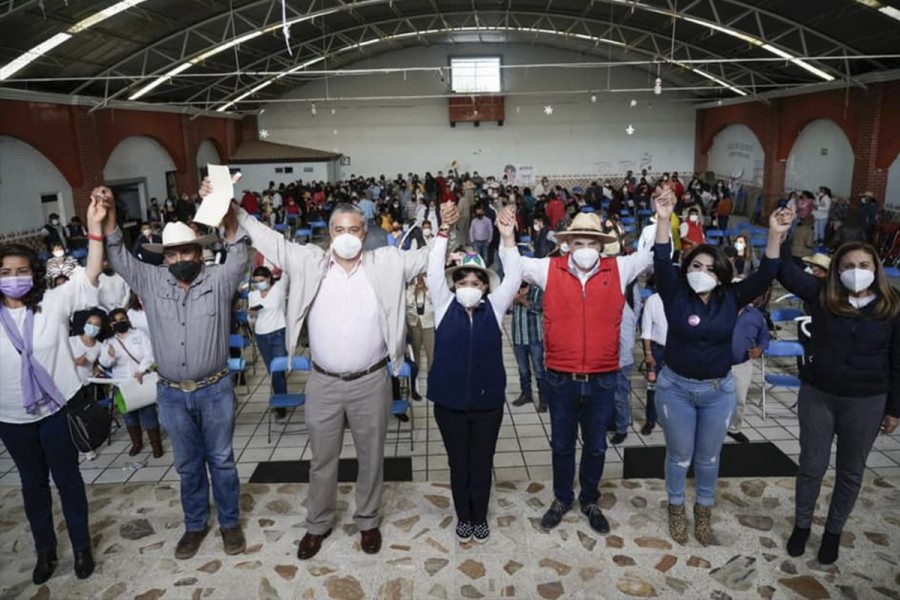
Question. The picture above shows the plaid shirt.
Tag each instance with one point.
(528, 322)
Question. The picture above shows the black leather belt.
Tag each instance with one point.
(582, 377)
(352, 376)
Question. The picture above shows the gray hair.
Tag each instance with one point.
(345, 208)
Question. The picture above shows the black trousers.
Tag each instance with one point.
(470, 438)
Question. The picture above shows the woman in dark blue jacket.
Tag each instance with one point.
(467, 382)
(695, 392)
(852, 388)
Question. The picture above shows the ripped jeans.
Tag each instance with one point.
(694, 415)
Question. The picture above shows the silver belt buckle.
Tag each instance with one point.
(581, 377)
(188, 386)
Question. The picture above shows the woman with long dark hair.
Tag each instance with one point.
(38, 376)
(852, 388)
(695, 391)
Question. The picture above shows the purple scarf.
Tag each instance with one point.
(37, 385)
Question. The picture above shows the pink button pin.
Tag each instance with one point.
(693, 320)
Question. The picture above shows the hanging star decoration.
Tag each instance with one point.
(263, 133)
(548, 110)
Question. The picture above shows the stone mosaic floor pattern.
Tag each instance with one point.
(135, 528)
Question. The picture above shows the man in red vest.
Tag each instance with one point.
(583, 301)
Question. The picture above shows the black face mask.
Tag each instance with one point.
(185, 271)
(108, 272)
(121, 326)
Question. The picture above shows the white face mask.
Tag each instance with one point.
(468, 296)
(59, 253)
(346, 246)
(808, 270)
(426, 232)
(586, 258)
(739, 246)
(693, 218)
(701, 281)
(857, 280)
(147, 232)
(564, 247)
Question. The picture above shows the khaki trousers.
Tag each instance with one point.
(743, 377)
(422, 337)
(366, 402)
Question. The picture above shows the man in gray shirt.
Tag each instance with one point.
(188, 306)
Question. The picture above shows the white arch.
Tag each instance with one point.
(821, 155)
(207, 154)
(736, 149)
(25, 176)
(892, 192)
(142, 161)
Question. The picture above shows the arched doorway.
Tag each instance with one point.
(892, 191)
(737, 157)
(207, 154)
(31, 188)
(821, 155)
(137, 170)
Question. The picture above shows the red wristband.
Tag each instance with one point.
(96, 238)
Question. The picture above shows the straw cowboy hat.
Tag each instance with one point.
(471, 260)
(818, 259)
(177, 233)
(587, 225)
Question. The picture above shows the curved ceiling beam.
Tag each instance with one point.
(660, 44)
(184, 62)
(271, 22)
(475, 29)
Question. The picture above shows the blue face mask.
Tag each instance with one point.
(261, 285)
(91, 330)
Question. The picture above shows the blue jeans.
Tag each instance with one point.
(39, 450)
(589, 404)
(483, 250)
(819, 226)
(658, 352)
(145, 416)
(201, 426)
(527, 354)
(623, 398)
(694, 415)
(271, 345)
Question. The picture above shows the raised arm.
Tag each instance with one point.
(237, 258)
(757, 283)
(441, 296)
(803, 285)
(502, 298)
(138, 275)
(665, 272)
(534, 270)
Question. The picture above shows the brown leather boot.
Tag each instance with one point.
(155, 441)
(137, 443)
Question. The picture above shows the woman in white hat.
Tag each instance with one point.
(468, 380)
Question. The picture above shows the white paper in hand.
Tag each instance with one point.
(214, 206)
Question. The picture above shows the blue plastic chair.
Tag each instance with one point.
(758, 242)
(779, 349)
(628, 220)
(715, 234)
(645, 292)
(525, 239)
(629, 229)
(238, 365)
(320, 224)
(291, 401)
(645, 212)
(588, 209)
(281, 228)
(402, 405)
(624, 213)
(892, 271)
(304, 232)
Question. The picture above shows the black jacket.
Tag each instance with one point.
(852, 356)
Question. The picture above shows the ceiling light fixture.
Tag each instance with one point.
(657, 86)
(593, 98)
(313, 110)
(629, 130)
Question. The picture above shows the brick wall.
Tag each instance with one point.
(867, 117)
(79, 143)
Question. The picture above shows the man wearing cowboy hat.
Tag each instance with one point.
(353, 303)
(817, 264)
(188, 306)
(583, 304)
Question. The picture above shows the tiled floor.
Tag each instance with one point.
(522, 451)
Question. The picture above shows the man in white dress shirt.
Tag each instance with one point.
(353, 303)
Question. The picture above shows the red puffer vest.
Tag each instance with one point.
(582, 326)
